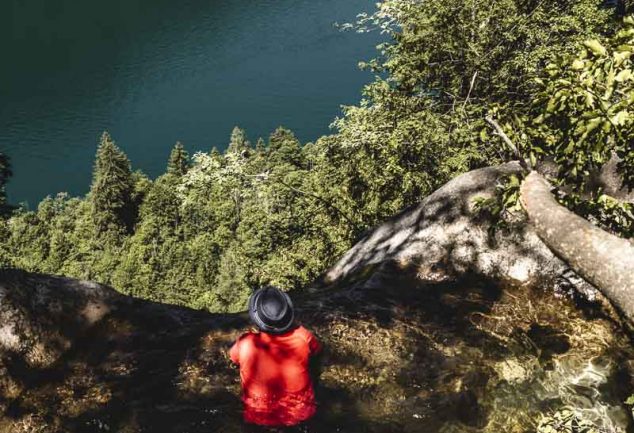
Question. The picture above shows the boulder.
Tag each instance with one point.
(445, 236)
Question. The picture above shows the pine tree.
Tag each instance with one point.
(260, 145)
(284, 147)
(257, 163)
(5, 174)
(111, 192)
(231, 291)
(178, 162)
(215, 154)
(238, 143)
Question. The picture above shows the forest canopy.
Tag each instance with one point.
(276, 211)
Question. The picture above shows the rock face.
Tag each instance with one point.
(39, 321)
(430, 323)
(610, 181)
(445, 237)
(78, 356)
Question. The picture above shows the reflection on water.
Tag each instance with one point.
(584, 390)
(475, 358)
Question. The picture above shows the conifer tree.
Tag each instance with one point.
(178, 163)
(284, 147)
(257, 162)
(215, 154)
(5, 174)
(6, 259)
(238, 142)
(260, 145)
(111, 192)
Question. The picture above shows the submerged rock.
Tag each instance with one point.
(401, 356)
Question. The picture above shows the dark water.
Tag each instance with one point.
(153, 72)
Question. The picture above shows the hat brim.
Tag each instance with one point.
(280, 328)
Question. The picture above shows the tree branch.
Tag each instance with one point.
(475, 75)
(505, 138)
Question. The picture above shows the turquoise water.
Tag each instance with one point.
(154, 72)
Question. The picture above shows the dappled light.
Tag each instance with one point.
(403, 355)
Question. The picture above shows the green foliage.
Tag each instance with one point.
(215, 226)
(5, 174)
(204, 234)
(284, 149)
(607, 212)
(112, 189)
(440, 45)
(6, 256)
(585, 109)
(178, 162)
(445, 64)
(238, 143)
(505, 200)
(630, 402)
(582, 116)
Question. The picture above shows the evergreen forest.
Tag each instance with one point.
(458, 85)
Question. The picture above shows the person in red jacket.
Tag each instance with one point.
(277, 389)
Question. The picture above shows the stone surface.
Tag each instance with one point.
(444, 237)
(401, 355)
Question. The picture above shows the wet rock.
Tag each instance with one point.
(406, 356)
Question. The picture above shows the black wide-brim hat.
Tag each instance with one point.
(271, 310)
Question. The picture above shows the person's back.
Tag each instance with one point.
(277, 388)
(274, 363)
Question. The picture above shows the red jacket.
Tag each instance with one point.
(276, 385)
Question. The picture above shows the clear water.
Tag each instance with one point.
(464, 357)
(156, 71)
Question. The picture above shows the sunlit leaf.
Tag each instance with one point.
(596, 47)
(620, 118)
(625, 74)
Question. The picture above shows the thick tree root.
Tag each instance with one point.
(604, 260)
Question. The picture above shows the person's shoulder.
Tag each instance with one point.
(248, 336)
(314, 346)
(243, 345)
(303, 332)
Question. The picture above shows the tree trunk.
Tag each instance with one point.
(604, 260)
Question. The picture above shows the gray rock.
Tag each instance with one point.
(445, 237)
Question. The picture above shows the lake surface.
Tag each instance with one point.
(152, 72)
